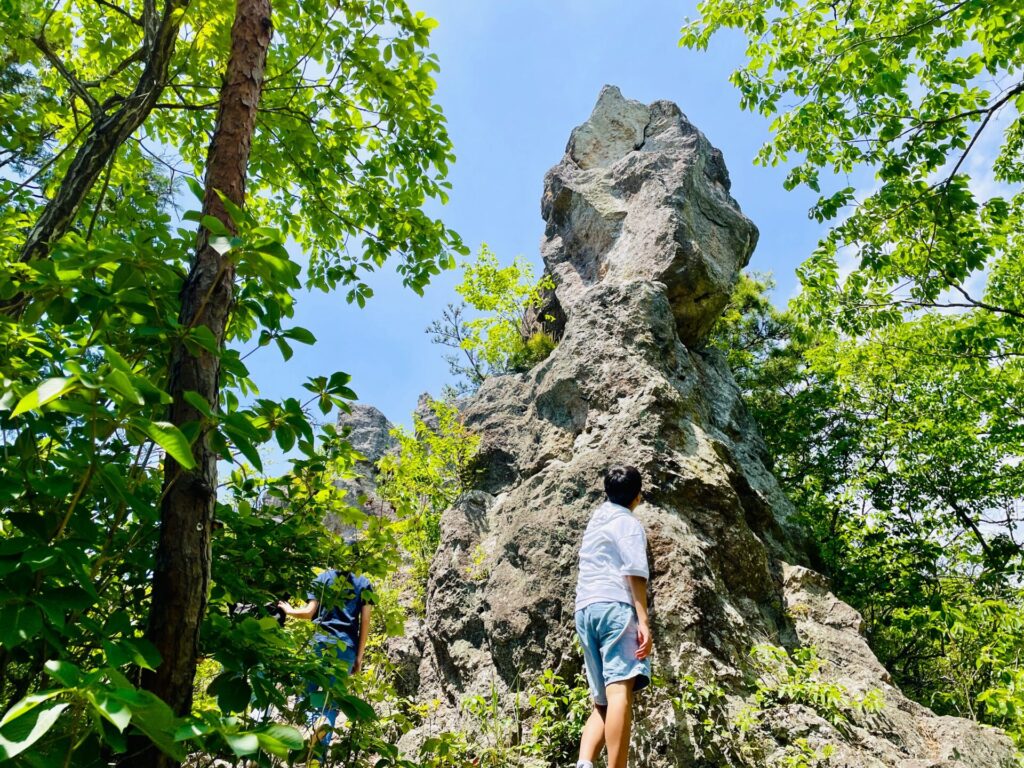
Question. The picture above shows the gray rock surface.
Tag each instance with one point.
(642, 195)
(369, 432)
(645, 244)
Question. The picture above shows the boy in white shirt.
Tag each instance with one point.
(611, 616)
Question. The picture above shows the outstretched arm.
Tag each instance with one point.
(308, 611)
(638, 587)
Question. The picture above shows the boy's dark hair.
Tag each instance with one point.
(622, 484)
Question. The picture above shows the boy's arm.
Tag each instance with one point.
(308, 611)
(638, 587)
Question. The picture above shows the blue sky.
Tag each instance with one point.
(516, 77)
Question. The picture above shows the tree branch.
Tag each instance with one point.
(151, 22)
(981, 129)
(137, 20)
(139, 55)
(107, 135)
(99, 203)
(76, 85)
(41, 169)
(188, 107)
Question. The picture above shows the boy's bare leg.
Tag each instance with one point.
(593, 734)
(617, 722)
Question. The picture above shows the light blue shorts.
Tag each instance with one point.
(607, 632)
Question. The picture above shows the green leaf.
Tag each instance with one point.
(193, 728)
(237, 214)
(115, 360)
(170, 438)
(29, 702)
(301, 335)
(202, 337)
(286, 350)
(112, 710)
(279, 739)
(121, 383)
(338, 379)
(285, 437)
(153, 717)
(244, 446)
(21, 624)
(198, 402)
(45, 393)
(58, 601)
(196, 187)
(112, 477)
(136, 651)
(215, 226)
(64, 672)
(23, 732)
(355, 708)
(242, 743)
(233, 692)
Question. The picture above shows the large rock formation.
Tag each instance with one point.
(645, 243)
(369, 433)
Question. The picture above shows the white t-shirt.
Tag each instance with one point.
(614, 547)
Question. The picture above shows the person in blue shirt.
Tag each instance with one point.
(339, 607)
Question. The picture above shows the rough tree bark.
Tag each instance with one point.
(181, 575)
(110, 131)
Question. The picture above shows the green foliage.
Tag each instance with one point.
(349, 146)
(449, 750)
(905, 349)
(496, 735)
(717, 733)
(477, 570)
(900, 459)
(801, 754)
(739, 733)
(918, 93)
(908, 336)
(498, 739)
(560, 711)
(535, 349)
(795, 676)
(501, 339)
(82, 481)
(813, 439)
(430, 469)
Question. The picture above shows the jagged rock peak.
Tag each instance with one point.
(642, 195)
(369, 431)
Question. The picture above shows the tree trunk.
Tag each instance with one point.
(181, 575)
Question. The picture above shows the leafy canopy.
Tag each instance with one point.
(919, 93)
(428, 471)
(897, 467)
(349, 145)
